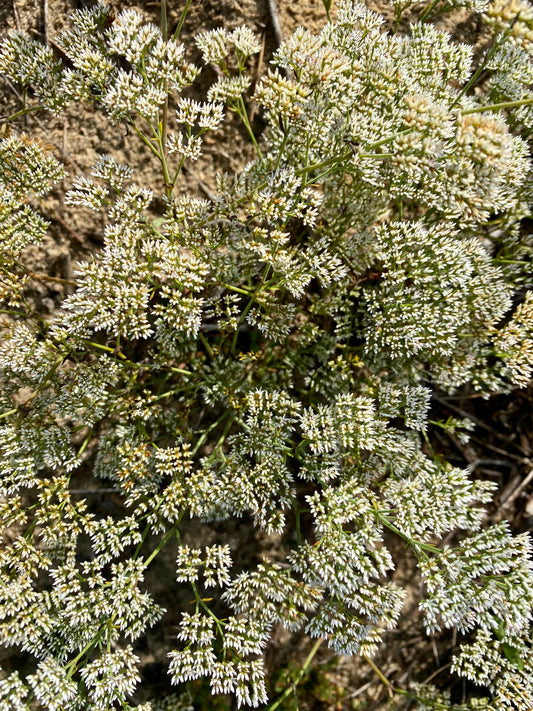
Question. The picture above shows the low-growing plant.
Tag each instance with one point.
(269, 353)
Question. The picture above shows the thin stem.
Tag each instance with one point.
(178, 171)
(497, 107)
(160, 137)
(162, 543)
(416, 545)
(429, 7)
(8, 413)
(241, 110)
(390, 139)
(88, 647)
(164, 119)
(473, 79)
(379, 673)
(248, 307)
(147, 142)
(200, 602)
(224, 434)
(164, 19)
(206, 345)
(282, 147)
(85, 442)
(181, 20)
(206, 432)
(230, 287)
(54, 280)
(22, 112)
(377, 155)
(241, 320)
(181, 371)
(292, 688)
(108, 349)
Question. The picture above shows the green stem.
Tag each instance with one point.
(497, 107)
(85, 442)
(416, 545)
(181, 371)
(379, 673)
(224, 434)
(22, 112)
(88, 647)
(292, 688)
(114, 351)
(164, 19)
(377, 155)
(161, 544)
(282, 147)
(241, 111)
(206, 345)
(181, 20)
(473, 79)
(206, 432)
(9, 412)
(248, 307)
(160, 135)
(164, 119)
(178, 171)
(147, 142)
(235, 288)
(201, 603)
(241, 320)
(429, 7)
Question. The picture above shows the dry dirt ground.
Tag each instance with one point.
(500, 449)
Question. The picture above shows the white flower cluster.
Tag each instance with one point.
(485, 584)
(32, 65)
(52, 686)
(215, 565)
(503, 665)
(513, 18)
(270, 595)
(112, 677)
(515, 343)
(215, 44)
(27, 168)
(269, 353)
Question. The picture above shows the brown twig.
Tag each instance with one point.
(56, 218)
(258, 72)
(16, 15)
(275, 22)
(203, 187)
(436, 673)
(482, 425)
(498, 450)
(45, 22)
(64, 138)
(361, 690)
(55, 280)
(507, 500)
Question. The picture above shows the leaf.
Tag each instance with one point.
(513, 655)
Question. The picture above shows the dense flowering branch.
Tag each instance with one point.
(267, 353)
